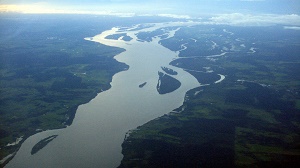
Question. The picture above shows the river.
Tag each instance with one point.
(99, 127)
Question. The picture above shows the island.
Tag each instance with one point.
(142, 85)
(169, 71)
(121, 36)
(166, 83)
(41, 144)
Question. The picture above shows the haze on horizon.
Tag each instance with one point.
(195, 8)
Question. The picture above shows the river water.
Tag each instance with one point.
(99, 127)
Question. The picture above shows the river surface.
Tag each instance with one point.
(99, 127)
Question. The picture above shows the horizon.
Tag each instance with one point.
(193, 8)
(229, 12)
(138, 83)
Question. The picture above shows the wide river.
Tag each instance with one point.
(99, 127)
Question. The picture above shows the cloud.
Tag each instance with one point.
(234, 19)
(43, 8)
(175, 16)
(292, 27)
(238, 19)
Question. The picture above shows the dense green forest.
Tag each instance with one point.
(47, 70)
(250, 119)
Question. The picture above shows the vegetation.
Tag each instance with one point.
(37, 147)
(251, 119)
(169, 71)
(47, 70)
(142, 85)
(123, 36)
(166, 83)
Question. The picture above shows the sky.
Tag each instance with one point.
(221, 11)
(188, 7)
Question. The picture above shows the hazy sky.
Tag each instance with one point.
(187, 7)
(231, 12)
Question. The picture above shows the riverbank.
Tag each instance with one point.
(45, 77)
(112, 113)
(248, 119)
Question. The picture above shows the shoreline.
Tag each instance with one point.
(71, 112)
(99, 103)
(222, 77)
